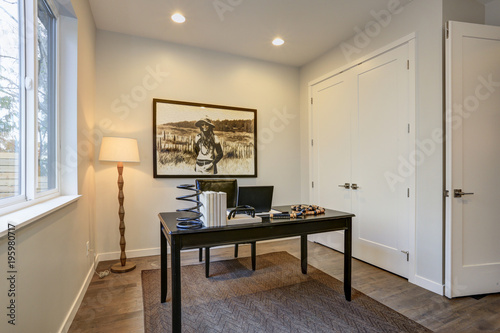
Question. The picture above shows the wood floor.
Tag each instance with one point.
(114, 303)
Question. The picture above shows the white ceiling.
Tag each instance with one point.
(243, 27)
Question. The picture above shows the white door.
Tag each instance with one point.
(381, 204)
(331, 118)
(472, 259)
(360, 125)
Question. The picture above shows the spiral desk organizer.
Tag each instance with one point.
(190, 222)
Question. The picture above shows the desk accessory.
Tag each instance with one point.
(213, 208)
(120, 150)
(285, 215)
(245, 209)
(299, 210)
(242, 215)
(192, 222)
(308, 209)
(244, 219)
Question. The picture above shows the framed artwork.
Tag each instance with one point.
(194, 140)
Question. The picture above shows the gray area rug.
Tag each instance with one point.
(277, 297)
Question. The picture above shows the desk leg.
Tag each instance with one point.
(253, 254)
(347, 260)
(175, 256)
(164, 266)
(303, 253)
(207, 262)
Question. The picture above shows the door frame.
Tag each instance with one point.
(411, 41)
(453, 96)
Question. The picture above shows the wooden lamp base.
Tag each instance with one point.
(118, 268)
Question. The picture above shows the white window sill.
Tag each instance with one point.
(26, 216)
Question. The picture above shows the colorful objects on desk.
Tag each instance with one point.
(308, 209)
(191, 222)
(299, 210)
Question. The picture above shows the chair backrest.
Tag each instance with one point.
(229, 186)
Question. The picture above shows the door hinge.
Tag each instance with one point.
(408, 128)
(312, 142)
(407, 64)
(408, 192)
(407, 255)
(312, 184)
(311, 100)
(447, 29)
(446, 193)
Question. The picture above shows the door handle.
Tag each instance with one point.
(457, 193)
(354, 186)
(346, 186)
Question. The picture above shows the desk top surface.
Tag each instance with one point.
(168, 219)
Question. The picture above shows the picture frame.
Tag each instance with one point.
(197, 140)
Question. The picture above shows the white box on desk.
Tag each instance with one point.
(243, 219)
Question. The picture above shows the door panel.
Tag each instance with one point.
(360, 123)
(381, 207)
(473, 160)
(331, 113)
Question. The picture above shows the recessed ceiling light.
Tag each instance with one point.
(278, 41)
(178, 18)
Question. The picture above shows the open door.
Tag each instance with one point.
(472, 255)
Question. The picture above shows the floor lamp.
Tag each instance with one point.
(120, 150)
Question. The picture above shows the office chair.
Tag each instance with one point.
(229, 186)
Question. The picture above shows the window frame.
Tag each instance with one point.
(28, 37)
(54, 47)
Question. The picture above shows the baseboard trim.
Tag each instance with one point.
(428, 284)
(130, 254)
(77, 302)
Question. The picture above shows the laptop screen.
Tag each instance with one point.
(259, 197)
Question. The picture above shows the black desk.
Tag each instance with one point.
(267, 229)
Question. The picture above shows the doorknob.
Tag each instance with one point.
(457, 193)
(354, 186)
(346, 186)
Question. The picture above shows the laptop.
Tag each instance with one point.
(259, 197)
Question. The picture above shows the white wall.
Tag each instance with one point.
(423, 17)
(51, 253)
(187, 74)
(492, 15)
(463, 11)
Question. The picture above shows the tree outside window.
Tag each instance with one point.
(10, 99)
(28, 122)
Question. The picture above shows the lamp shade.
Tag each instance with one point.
(119, 150)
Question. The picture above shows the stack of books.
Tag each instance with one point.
(214, 208)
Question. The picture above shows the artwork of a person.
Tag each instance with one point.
(207, 147)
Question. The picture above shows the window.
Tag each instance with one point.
(28, 101)
(46, 97)
(10, 101)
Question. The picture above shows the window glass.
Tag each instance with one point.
(46, 113)
(10, 100)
